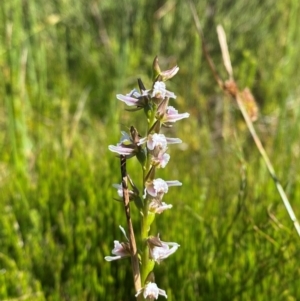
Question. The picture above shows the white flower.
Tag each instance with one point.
(159, 91)
(157, 140)
(161, 160)
(151, 291)
(161, 250)
(126, 151)
(121, 249)
(158, 186)
(119, 188)
(173, 116)
(157, 145)
(158, 207)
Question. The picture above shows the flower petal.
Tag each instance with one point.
(173, 140)
(130, 101)
(173, 116)
(167, 74)
(112, 258)
(173, 183)
(121, 150)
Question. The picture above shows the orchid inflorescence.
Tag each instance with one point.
(151, 152)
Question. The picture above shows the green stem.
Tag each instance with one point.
(151, 113)
(147, 264)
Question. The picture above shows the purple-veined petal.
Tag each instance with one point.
(173, 140)
(121, 150)
(173, 116)
(130, 101)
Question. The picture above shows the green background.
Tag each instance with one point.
(61, 65)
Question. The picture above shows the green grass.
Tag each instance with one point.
(61, 64)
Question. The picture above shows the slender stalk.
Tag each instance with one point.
(268, 163)
(132, 242)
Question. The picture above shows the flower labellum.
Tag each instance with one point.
(158, 207)
(151, 291)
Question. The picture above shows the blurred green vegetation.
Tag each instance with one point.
(61, 65)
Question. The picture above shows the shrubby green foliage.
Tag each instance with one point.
(61, 64)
